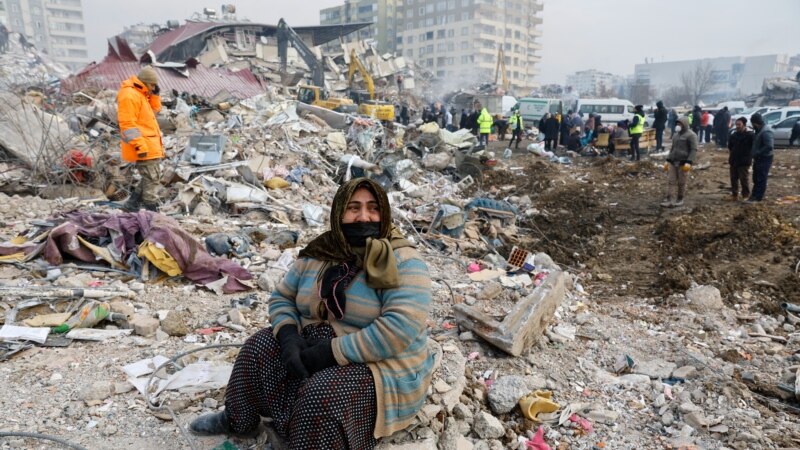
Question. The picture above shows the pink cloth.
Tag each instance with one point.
(538, 443)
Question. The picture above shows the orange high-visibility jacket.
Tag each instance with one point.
(136, 114)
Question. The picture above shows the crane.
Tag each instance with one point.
(501, 64)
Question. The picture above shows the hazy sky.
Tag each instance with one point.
(609, 35)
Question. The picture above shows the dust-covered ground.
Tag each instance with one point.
(700, 379)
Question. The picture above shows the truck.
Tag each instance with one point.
(494, 103)
(533, 109)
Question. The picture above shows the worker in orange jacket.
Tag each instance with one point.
(138, 103)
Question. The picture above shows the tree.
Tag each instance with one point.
(604, 91)
(697, 82)
(674, 96)
(641, 93)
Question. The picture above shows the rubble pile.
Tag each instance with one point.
(23, 65)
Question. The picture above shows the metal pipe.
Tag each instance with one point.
(791, 307)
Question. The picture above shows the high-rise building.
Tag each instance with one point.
(54, 26)
(381, 13)
(459, 40)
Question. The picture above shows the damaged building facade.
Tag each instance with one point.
(55, 27)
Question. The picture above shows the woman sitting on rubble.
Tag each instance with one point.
(346, 359)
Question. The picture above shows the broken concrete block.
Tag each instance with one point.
(524, 324)
(144, 325)
(490, 291)
(684, 372)
(176, 323)
(488, 426)
(97, 391)
(655, 369)
(506, 391)
(237, 317)
(705, 298)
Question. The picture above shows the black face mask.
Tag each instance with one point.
(357, 233)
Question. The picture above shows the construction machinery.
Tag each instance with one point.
(367, 104)
(314, 94)
(500, 68)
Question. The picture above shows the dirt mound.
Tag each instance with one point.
(616, 168)
(729, 234)
(725, 247)
(536, 177)
(571, 230)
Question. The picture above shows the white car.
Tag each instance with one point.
(747, 113)
(783, 130)
(773, 117)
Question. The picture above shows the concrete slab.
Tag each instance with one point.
(524, 324)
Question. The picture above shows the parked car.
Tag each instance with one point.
(747, 113)
(783, 130)
(773, 117)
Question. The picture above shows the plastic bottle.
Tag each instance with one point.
(89, 315)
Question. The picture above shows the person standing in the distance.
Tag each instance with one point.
(740, 146)
(550, 132)
(660, 123)
(635, 131)
(516, 128)
(679, 162)
(485, 122)
(763, 145)
(672, 120)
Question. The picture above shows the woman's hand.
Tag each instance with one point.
(318, 357)
(292, 344)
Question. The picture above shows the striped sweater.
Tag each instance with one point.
(384, 329)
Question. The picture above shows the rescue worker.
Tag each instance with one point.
(485, 122)
(138, 101)
(516, 128)
(679, 162)
(635, 131)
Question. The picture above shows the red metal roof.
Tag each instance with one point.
(202, 81)
(185, 31)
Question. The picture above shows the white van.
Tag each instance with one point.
(611, 110)
(533, 109)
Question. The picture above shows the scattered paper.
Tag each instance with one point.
(15, 333)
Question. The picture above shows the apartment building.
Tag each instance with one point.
(53, 26)
(594, 82)
(382, 13)
(458, 40)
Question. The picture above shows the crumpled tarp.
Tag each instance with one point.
(120, 235)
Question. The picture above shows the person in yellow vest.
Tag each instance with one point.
(516, 128)
(485, 122)
(138, 103)
(635, 131)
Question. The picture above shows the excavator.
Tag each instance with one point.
(314, 94)
(367, 106)
(501, 68)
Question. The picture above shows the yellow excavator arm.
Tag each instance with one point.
(501, 68)
(355, 64)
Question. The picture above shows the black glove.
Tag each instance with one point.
(291, 345)
(156, 90)
(318, 357)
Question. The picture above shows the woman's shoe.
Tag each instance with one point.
(210, 424)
